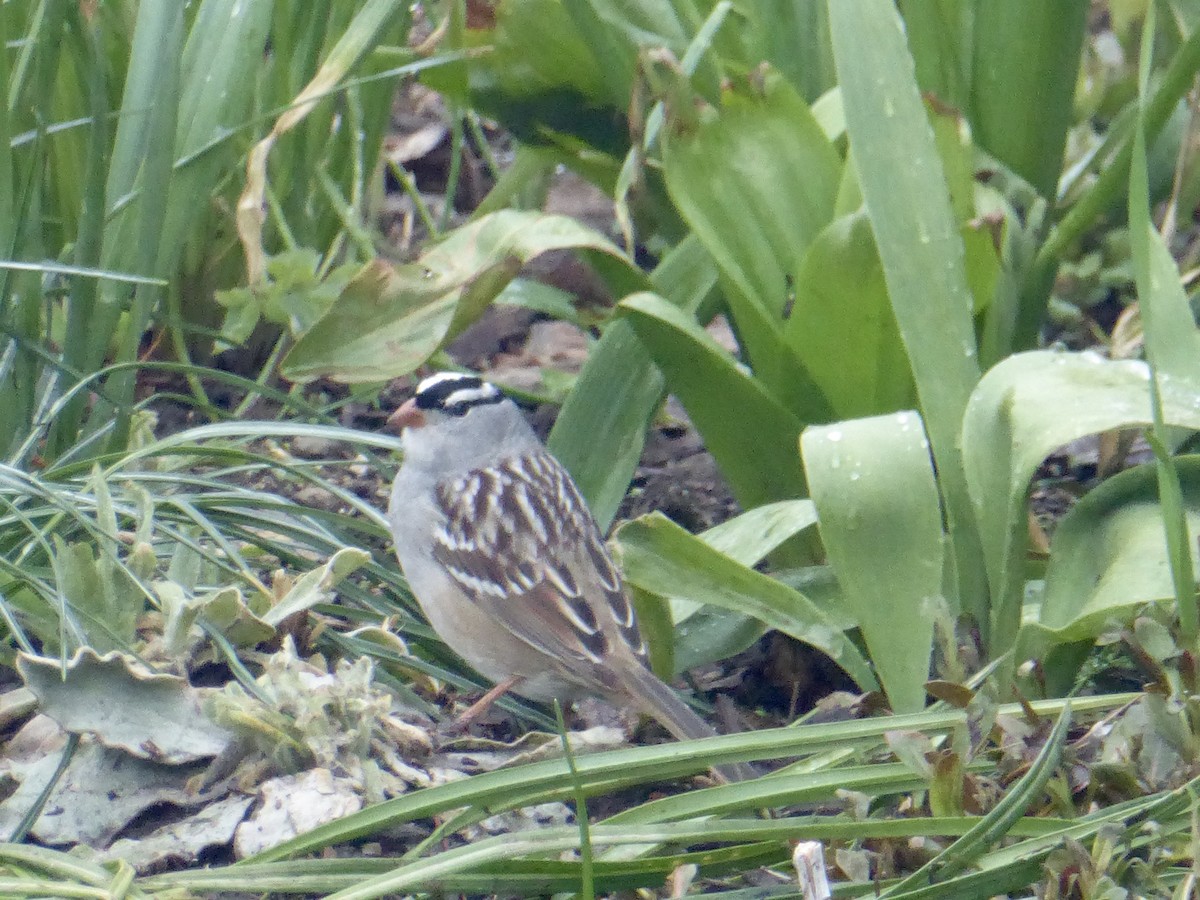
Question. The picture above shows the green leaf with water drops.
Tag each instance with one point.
(880, 516)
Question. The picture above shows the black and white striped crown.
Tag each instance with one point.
(454, 393)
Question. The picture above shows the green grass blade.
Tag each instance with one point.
(8, 219)
(1172, 348)
(1112, 181)
(1001, 818)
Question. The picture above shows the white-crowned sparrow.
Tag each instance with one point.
(506, 560)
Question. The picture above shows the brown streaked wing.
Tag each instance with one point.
(520, 541)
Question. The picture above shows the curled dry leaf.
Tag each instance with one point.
(213, 826)
(99, 794)
(124, 705)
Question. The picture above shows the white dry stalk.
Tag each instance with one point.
(809, 860)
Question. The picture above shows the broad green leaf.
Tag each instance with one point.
(984, 265)
(614, 58)
(657, 629)
(648, 23)
(390, 319)
(1109, 558)
(794, 38)
(295, 294)
(842, 323)
(881, 523)
(541, 298)
(952, 137)
(540, 77)
(704, 635)
(228, 611)
(907, 200)
(1024, 63)
(755, 180)
(827, 110)
(939, 38)
(749, 538)
(600, 431)
(726, 404)
(1026, 407)
(1002, 308)
(179, 611)
(658, 556)
(712, 635)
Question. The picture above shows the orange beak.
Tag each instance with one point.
(407, 416)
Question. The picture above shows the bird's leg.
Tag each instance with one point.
(481, 706)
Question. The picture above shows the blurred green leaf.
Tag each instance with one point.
(1024, 61)
(1171, 341)
(541, 298)
(294, 295)
(842, 323)
(940, 40)
(541, 78)
(390, 319)
(102, 598)
(317, 585)
(136, 204)
(217, 84)
(657, 629)
(704, 635)
(880, 517)
(755, 180)
(228, 611)
(1111, 183)
(1010, 67)
(751, 536)
(983, 261)
(793, 36)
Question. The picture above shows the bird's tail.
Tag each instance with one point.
(659, 700)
